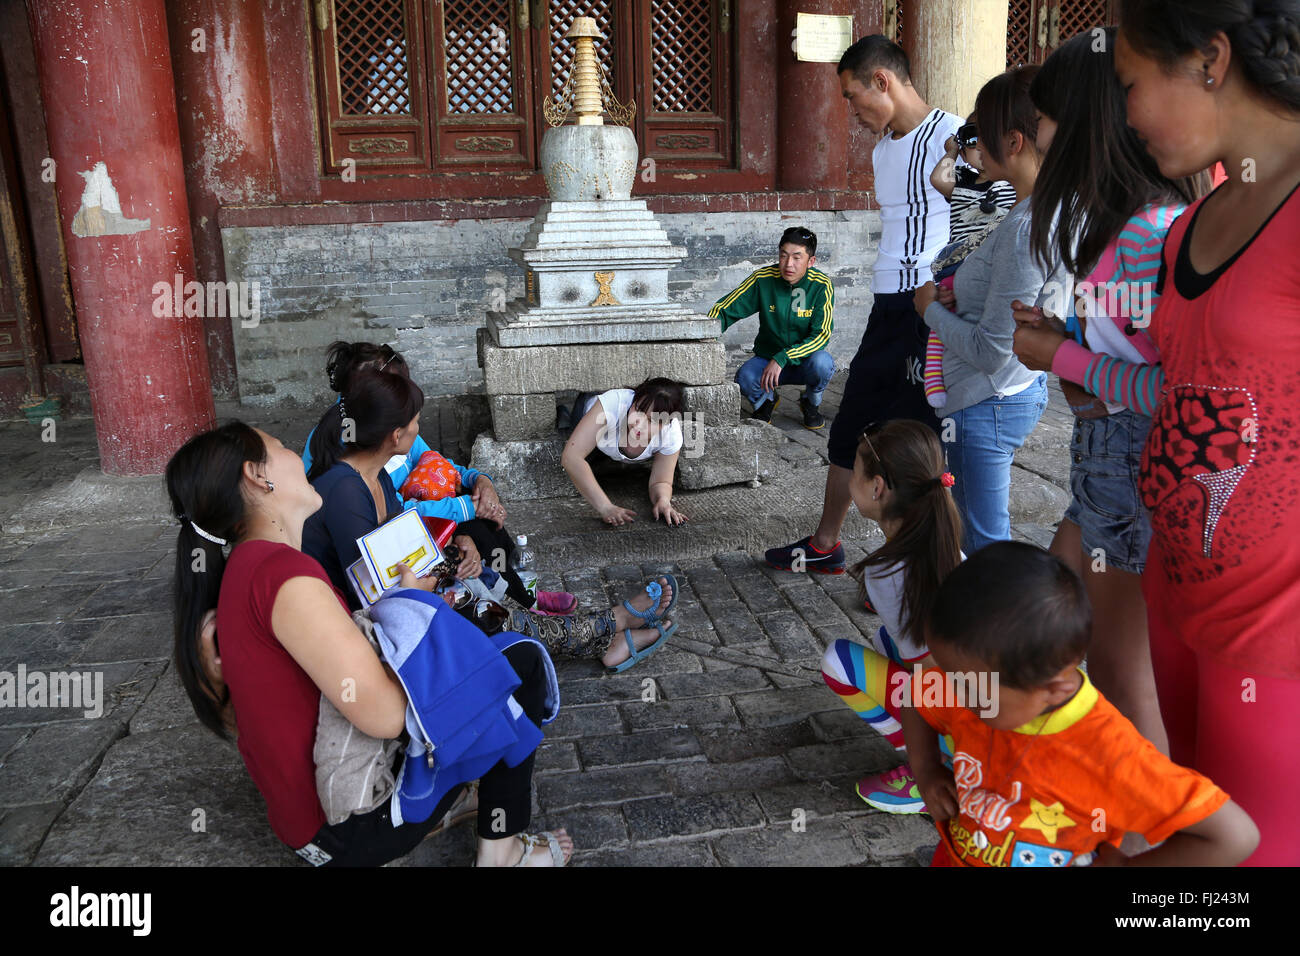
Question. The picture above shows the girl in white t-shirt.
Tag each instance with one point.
(630, 425)
(899, 482)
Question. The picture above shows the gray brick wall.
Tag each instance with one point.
(424, 287)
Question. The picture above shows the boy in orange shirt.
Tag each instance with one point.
(1045, 770)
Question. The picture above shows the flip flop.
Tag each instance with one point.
(459, 812)
(552, 844)
(531, 842)
(650, 616)
(635, 656)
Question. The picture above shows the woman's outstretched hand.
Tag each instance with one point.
(924, 296)
(671, 515)
(617, 516)
(1037, 336)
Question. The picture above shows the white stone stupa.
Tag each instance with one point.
(595, 314)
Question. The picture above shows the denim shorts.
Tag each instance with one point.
(1104, 457)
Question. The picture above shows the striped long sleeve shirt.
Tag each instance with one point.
(1128, 278)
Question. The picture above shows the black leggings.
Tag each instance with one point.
(490, 540)
(504, 797)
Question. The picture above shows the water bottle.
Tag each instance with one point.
(523, 563)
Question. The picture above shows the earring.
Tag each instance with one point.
(1209, 81)
(270, 485)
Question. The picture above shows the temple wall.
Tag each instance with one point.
(424, 287)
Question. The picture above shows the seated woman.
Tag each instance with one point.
(630, 425)
(382, 411)
(476, 507)
(286, 638)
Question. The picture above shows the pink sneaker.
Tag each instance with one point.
(555, 603)
(894, 791)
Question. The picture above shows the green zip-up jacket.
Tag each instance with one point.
(786, 335)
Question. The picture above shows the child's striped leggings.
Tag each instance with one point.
(865, 681)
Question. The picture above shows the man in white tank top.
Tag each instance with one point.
(885, 377)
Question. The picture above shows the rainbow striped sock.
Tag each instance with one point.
(935, 393)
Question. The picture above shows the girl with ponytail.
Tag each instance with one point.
(204, 484)
(900, 482)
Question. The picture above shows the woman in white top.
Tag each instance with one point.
(630, 425)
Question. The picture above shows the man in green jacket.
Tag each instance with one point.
(794, 303)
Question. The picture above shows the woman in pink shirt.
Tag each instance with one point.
(1211, 81)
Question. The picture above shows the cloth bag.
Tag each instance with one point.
(433, 479)
(354, 772)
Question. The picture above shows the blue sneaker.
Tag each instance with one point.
(807, 557)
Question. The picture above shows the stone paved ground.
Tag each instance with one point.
(724, 749)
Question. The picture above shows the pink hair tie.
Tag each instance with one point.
(947, 480)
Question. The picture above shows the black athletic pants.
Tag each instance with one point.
(885, 377)
(504, 797)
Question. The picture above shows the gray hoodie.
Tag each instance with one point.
(978, 362)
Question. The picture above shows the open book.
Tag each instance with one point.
(403, 540)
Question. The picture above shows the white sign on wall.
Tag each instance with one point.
(822, 39)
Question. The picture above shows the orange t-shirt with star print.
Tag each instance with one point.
(1054, 789)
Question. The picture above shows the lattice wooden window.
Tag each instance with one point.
(483, 98)
(373, 68)
(370, 73)
(1020, 16)
(1036, 27)
(685, 81)
(458, 84)
(680, 57)
(1077, 16)
(478, 61)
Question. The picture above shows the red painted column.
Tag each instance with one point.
(110, 103)
(812, 120)
(223, 97)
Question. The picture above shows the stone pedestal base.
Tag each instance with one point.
(527, 417)
(521, 326)
(714, 455)
(596, 368)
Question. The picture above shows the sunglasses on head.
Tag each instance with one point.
(967, 136)
(866, 437)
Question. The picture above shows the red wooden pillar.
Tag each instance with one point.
(812, 119)
(106, 81)
(223, 95)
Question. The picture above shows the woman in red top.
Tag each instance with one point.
(1219, 81)
(285, 638)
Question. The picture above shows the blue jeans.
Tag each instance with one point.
(814, 372)
(979, 457)
(1105, 455)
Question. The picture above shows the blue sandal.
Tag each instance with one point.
(650, 617)
(635, 656)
